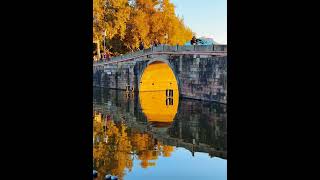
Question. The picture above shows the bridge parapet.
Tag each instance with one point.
(137, 53)
(116, 58)
(170, 48)
(220, 48)
(157, 48)
(186, 48)
(165, 48)
(125, 56)
(149, 50)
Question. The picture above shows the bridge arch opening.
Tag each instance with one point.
(158, 76)
(159, 94)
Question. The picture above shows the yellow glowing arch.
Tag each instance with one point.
(158, 76)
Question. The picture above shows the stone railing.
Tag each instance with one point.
(168, 49)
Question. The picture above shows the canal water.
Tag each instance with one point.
(157, 135)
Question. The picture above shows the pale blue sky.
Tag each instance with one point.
(181, 165)
(204, 17)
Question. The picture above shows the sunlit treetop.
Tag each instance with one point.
(127, 23)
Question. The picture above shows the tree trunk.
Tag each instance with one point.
(98, 50)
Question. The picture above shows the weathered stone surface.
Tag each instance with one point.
(199, 77)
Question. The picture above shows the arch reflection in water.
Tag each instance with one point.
(159, 107)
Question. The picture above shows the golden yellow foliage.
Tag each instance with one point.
(110, 18)
(167, 150)
(112, 156)
(128, 23)
(115, 155)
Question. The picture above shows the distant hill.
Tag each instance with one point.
(208, 41)
(204, 41)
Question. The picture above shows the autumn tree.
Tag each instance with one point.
(112, 156)
(127, 23)
(114, 144)
(109, 19)
(166, 150)
(152, 20)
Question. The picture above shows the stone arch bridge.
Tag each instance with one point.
(199, 71)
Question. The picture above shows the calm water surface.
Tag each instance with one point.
(156, 135)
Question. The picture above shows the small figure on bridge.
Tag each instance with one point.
(107, 55)
(95, 58)
(141, 47)
(193, 40)
(156, 42)
(101, 55)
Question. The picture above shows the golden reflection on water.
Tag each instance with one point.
(115, 146)
(159, 106)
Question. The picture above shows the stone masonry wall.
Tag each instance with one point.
(200, 77)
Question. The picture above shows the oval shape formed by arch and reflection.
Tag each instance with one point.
(158, 93)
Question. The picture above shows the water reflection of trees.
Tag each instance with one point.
(111, 147)
(202, 123)
(205, 122)
(116, 145)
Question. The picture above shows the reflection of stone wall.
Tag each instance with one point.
(119, 104)
(202, 123)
